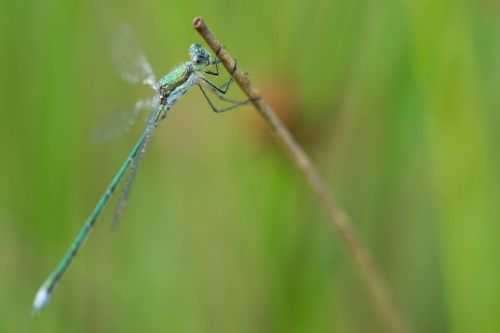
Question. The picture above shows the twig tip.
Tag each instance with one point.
(197, 22)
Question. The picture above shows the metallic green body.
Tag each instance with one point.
(168, 90)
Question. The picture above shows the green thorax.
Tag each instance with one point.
(175, 78)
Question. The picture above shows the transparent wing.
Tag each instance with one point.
(152, 121)
(129, 59)
(115, 124)
(122, 203)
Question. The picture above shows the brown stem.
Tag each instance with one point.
(374, 284)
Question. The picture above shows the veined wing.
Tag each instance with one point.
(117, 123)
(154, 117)
(122, 203)
(129, 59)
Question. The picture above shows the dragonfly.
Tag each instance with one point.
(135, 68)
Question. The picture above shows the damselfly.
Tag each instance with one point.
(134, 68)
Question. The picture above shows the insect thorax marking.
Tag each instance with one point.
(172, 82)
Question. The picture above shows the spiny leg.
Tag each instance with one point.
(214, 108)
(225, 87)
(216, 62)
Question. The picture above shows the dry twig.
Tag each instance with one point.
(377, 290)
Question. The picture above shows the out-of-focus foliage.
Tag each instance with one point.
(398, 103)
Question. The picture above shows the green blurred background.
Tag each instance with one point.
(397, 102)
